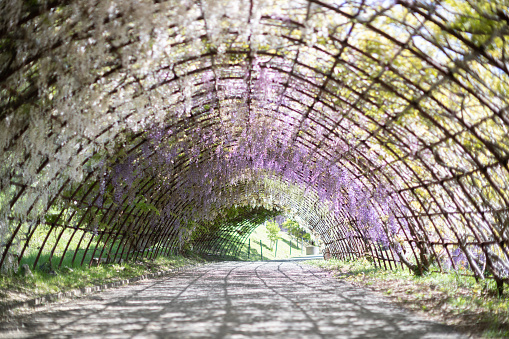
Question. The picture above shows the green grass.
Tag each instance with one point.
(268, 253)
(471, 306)
(251, 250)
(40, 234)
(15, 287)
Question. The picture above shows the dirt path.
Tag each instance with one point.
(228, 300)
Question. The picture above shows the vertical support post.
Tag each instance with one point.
(249, 249)
(275, 252)
(500, 287)
(261, 251)
(290, 247)
(301, 246)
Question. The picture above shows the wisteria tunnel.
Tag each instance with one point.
(135, 128)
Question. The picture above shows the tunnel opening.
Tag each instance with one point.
(227, 235)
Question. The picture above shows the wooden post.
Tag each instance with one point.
(261, 251)
(290, 247)
(249, 249)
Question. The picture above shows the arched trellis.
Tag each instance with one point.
(107, 118)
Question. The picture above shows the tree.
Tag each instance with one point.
(295, 230)
(272, 232)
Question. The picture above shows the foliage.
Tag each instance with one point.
(295, 230)
(273, 231)
(224, 236)
(250, 250)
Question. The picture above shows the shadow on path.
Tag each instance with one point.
(276, 299)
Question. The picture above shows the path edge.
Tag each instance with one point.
(53, 297)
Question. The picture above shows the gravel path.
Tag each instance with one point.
(277, 299)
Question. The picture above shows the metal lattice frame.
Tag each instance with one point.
(408, 94)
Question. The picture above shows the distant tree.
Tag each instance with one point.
(295, 230)
(272, 232)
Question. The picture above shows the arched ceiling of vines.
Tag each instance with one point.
(126, 117)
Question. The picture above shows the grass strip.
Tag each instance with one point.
(17, 288)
